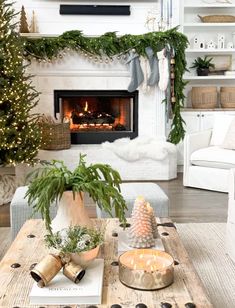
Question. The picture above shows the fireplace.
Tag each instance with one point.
(96, 116)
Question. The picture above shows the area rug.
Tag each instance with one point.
(205, 244)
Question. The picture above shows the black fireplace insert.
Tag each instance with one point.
(96, 116)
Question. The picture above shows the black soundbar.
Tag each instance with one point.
(67, 9)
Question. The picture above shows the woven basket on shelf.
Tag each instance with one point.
(227, 97)
(204, 97)
(55, 136)
(217, 18)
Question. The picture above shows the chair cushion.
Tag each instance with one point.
(220, 128)
(214, 157)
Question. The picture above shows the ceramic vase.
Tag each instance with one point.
(71, 212)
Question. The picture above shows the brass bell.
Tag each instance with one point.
(73, 271)
(46, 270)
(173, 99)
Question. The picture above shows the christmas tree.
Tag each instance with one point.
(19, 134)
(24, 28)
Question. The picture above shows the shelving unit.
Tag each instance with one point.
(205, 25)
(200, 119)
(211, 51)
(191, 25)
(212, 77)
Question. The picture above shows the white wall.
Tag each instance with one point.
(51, 22)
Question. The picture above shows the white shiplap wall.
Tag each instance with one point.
(51, 22)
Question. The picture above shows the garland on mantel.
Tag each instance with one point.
(109, 45)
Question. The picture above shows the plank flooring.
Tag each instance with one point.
(194, 205)
(186, 205)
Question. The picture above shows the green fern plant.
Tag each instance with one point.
(201, 63)
(100, 181)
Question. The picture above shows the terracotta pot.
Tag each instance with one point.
(71, 212)
(86, 257)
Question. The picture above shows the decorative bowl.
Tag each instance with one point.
(86, 257)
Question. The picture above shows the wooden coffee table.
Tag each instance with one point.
(28, 249)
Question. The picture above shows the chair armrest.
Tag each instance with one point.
(192, 143)
(196, 141)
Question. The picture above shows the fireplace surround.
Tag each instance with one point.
(96, 116)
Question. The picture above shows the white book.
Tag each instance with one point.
(62, 291)
(123, 243)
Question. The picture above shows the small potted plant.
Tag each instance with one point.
(79, 244)
(55, 182)
(203, 65)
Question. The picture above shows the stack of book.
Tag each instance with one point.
(62, 291)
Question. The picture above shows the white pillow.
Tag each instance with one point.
(229, 140)
(220, 128)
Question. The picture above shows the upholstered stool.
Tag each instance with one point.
(20, 211)
(150, 191)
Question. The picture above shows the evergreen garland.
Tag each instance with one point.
(110, 45)
(19, 133)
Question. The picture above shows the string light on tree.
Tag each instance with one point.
(19, 133)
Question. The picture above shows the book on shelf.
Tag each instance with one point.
(62, 291)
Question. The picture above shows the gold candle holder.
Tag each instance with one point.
(46, 270)
(73, 271)
(146, 269)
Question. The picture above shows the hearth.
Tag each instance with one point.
(96, 116)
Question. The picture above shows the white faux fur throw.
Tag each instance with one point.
(140, 148)
(7, 188)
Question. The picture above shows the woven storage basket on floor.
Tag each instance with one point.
(217, 18)
(227, 97)
(55, 136)
(204, 97)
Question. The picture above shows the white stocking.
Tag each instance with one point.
(163, 70)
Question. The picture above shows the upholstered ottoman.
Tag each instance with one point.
(150, 191)
(20, 211)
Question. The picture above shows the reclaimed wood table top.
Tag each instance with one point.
(28, 248)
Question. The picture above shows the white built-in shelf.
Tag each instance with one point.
(207, 24)
(38, 35)
(212, 77)
(211, 51)
(225, 6)
(42, 35)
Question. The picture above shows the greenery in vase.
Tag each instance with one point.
(201, 63)
(74, 239)
(100, 181)
(20, 136)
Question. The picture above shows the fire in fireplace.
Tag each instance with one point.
(97, 116)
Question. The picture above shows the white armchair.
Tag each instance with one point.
(230, 232)
(204, 165)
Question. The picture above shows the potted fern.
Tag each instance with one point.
(55, 182)
(203, 65)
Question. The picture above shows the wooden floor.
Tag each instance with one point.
(194, 205)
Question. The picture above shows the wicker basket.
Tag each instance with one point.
(55, 136)
(227, 97)
(204, 97)
(217, 18)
